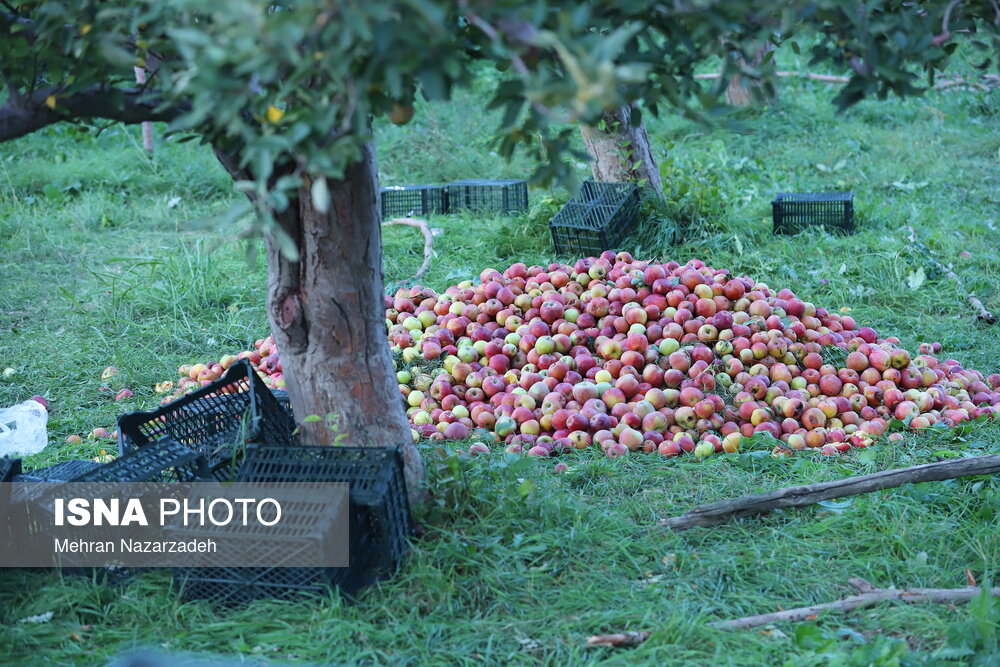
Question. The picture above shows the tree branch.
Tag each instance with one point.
(123, 105)
(26, 31)
(517, 62)
(801, 496)
(428, 241)
(945, 24)
(866, 598)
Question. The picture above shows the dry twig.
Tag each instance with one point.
(867, 596)
(983, 82)
(800, 496)
(428, 241)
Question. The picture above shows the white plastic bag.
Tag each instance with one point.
(22, 428)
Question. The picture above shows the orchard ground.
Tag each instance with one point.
(112, 258)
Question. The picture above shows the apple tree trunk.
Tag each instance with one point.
(619, 149)
(327, 316)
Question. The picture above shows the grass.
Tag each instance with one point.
(110, 258)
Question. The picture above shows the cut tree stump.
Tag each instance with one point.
(800, 496)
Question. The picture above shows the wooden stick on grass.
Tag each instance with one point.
(984, 81)
(428, 241)
(800, 496)
(982, 314)
(867, 596)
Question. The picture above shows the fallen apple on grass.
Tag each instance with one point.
(635, 356)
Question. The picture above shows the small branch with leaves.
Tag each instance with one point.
(517, 62)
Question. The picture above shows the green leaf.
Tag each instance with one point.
(50, 191)
(285, 243)
(867, 456)
(434, 84)
(916, 278)
(808, 636)
(895, 425)
(311, 418)
(320, 195)
(115, 55)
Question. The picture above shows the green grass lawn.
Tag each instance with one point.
(110, 258)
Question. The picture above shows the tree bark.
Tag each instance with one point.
(620, 151)
(327, 315)
(25, 115)
(147, 127)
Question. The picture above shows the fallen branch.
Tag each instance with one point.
(800, 496)
(428, 241)
(825, 78)
(867, 596)
(984, 82)
(965, 83)
(982, 314)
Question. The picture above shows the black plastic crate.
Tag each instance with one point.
(161, 461)
(110, 576)
(375, 475)
(794, 211)
(315, 522)
(598, 218)
(496, 196)
(217, 420)
(67, 471)
(404, 200)
(379, 524)
(284, 401)
(231, 586)
(9, 467)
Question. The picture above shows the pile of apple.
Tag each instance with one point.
(631, 355)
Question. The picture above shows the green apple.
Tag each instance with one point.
(669, 345)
